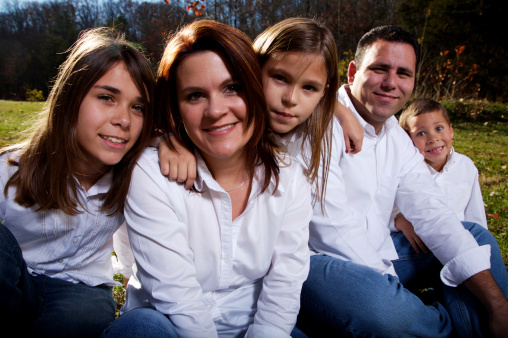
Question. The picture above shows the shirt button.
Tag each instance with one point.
(75, 240)
(60, 261)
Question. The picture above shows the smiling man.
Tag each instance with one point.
(358, 274)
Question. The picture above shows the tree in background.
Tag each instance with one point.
(35, 34)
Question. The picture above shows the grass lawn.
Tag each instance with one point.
(485, 143)
(15, 116)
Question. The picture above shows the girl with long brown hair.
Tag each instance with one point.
(64, 188)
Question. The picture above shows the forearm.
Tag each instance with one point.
(485, 288)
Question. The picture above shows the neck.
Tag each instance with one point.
(229, 173)
(364, 112)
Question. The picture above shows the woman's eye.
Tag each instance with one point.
(104, 97)
(194, 96)
(233, 88)
(279, 78)
(310, 88)
(139, 108)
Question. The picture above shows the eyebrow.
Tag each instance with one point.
(387, 66)
(227, 81)
(282, 71)
(117, 91)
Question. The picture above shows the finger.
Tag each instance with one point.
(420, 244)
(352, 148)
(414, 245)
(164, 167)
(191, 175)
(182, 172)
(173, 171)
(348, 147)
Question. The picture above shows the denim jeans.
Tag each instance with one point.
(48, 307)
(348, 299)
(150, 323)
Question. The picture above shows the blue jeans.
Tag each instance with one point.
(141, 322)
(349, 299)
(468, 314)
(150, 323)
(48, 307)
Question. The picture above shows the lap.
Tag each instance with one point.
(351, 299)
(72, 309)
(141, 322)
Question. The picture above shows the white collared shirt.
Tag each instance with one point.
(210, 274)
(458, 181)
(361, 191)
(72, 248)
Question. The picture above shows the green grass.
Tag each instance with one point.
(15, 117)
(487, 145)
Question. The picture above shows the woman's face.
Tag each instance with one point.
(212, 106)
(110, 120)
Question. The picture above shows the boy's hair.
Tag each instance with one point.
(418, 107)
(45, 166)
(386, 33)
(303, 35)
(236, 50)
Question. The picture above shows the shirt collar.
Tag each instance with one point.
(450, 159)
(102, 186)
(204, 177)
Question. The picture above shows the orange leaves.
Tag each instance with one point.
(459, 50)
(197, 7)
(494, 215)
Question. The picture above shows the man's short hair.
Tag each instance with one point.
(387, 33)
(421, 106)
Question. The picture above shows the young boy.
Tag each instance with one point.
(428, 124)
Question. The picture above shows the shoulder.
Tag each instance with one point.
(462, 162)
(148, 169)
(6, 169)
(292, 172)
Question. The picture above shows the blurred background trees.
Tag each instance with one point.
(463, 41)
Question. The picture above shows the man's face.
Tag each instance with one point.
(383, 82)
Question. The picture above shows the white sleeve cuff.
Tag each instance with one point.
(465, 265)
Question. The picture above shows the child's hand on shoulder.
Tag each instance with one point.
(353, 130)
(177, 162)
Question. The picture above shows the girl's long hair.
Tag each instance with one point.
(236, 49)
(46, 159)
(303, 35)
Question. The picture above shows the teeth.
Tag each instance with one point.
(435, 149)
(113, 139)
(223, 128)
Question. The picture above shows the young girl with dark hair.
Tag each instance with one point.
(64, 188)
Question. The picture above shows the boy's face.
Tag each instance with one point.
(433, 136)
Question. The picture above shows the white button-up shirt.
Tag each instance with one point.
(458, 181)
(361, 191)
(210, 274)
(72, 248)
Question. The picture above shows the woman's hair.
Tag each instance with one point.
(302, 35)
(418, 107)
(46, 162)
(236, 50)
